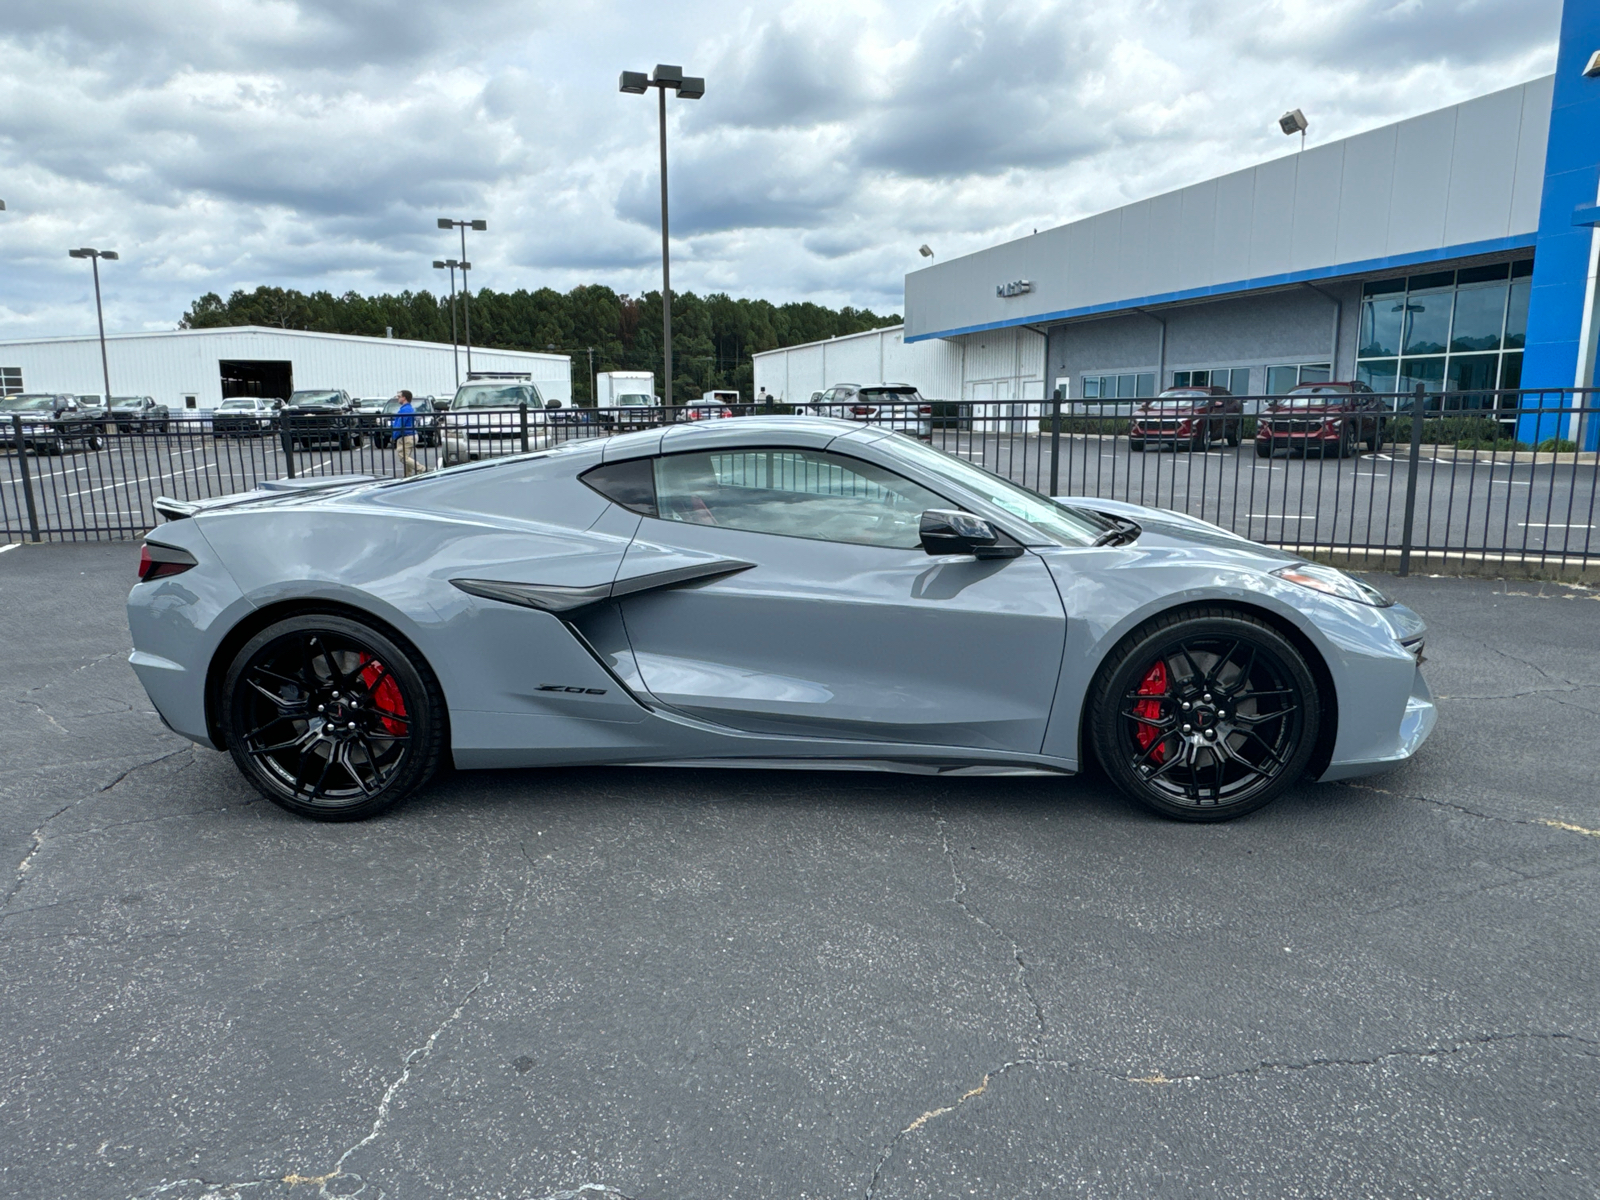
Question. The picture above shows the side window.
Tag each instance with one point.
(793, 493)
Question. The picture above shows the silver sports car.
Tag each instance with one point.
(768, 592)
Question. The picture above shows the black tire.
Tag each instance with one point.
(1234, 434)
(1374, 438)
(283, 683)
(1136, 444)
(1220, 757)
(344, 441)
(94, 441)
(1263, 449)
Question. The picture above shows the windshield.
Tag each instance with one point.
(127, 401)
(1068, 526)
(1180, 399)
(315, 399)
(27, 404)
(635, 400)
(493, 395)
(238, 404)
(890, 395)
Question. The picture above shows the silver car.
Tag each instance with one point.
(767, 592)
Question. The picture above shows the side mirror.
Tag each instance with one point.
(949, 531)
(552, 404)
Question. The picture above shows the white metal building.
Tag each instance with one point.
(1005, 364)
(198, 368)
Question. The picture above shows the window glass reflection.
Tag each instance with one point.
(1517, 315)
(1378, 374)
(1480, 316)
(1427, 328)
(1429, 372)
(1473, 372)
(1381, 318)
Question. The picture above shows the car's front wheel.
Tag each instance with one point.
(1204, 715)
(330, 718)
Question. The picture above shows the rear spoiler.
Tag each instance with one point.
(172, 509)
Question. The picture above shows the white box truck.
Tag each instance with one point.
(627, 399)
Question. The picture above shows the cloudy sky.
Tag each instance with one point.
(312, 143)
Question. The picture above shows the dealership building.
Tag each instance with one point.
(1455, 250)
(196, 369)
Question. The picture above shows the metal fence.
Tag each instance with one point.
(1473, 477)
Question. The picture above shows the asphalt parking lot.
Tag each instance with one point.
(693, 984)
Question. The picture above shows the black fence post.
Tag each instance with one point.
(522, 413)
(1055, 441)
(286, 435)
(1411, 480)
(27, 479)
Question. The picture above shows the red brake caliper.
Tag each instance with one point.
(1155, 684)
(387, 697)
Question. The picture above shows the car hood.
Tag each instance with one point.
(1164, 529)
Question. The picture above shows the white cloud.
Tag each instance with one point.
(310, 143)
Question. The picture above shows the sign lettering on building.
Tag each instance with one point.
(1016, 287)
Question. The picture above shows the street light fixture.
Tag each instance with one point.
(94, 256)
(1293, 122)
(466, 293)
(925, 250)
(455, 358)
(688, 87)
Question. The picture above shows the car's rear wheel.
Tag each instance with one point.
(1234, 433)
(1263, 448)
(330, 718)
(1205, 715)
(1136, 445)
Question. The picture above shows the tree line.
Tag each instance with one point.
(713, 336)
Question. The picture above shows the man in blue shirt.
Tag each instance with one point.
(405, 435)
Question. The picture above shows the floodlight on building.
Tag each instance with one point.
(1293, 122)
(1589, 72)
(688, 87)
(925, 250)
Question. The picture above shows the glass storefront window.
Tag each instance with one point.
(1480, 317)
(1429, 372)
(1517, 314)
(1382, 313)
(1124, 387)
(1511, 370)
(1378, 374)
(1427, 320)
(1473, 372)
(1446, 330)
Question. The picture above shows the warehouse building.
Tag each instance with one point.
(1455, 250)
(196, 369)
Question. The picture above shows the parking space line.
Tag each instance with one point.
(9, 546)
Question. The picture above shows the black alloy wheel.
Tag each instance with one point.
(330, 718)
(1205, 715)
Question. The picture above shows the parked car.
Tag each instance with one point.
(895, 405)
(317, 415)
(485, 418)
(1191, 417)
(555, 414)
(51, 422)
(1335, 417)
(991, 630)
(703, 410)
(245, 416)
(139, 414)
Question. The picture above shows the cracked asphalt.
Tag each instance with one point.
(670, 984)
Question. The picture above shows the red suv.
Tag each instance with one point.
(1326, 417)
(1188, 416)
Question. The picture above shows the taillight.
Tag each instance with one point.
(925, 410)
(861, 410)
(727, 412)
(157, 561)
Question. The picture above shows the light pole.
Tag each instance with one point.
(94, 256)
(1293, 122)
(466, 293)
(688, 88)
(455, 343)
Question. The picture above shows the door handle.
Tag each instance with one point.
(559, 598)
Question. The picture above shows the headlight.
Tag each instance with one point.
(1333, 582)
